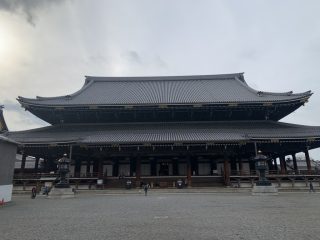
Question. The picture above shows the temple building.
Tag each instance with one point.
(203, 129)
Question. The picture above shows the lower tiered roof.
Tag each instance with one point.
(161, 133)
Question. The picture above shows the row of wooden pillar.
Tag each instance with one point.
(272, 165)
(283, 165)
(23, 163)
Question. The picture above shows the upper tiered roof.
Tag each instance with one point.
(176, 90)
(177, 98)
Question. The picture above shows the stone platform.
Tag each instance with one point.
(264, 190)
(61, 193)
(163, 215)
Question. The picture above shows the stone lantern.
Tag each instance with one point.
(62, 189)
(263, 186)
(63, 170)
(261, 166)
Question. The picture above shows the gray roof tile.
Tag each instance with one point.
(203, 89)
(164, 132)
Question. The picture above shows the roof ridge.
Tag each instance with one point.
(163, 78)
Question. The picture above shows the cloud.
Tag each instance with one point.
(133, 57)
(98, 59)
(159, 62)
(27, 8)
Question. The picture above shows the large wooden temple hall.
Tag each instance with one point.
(202, 129)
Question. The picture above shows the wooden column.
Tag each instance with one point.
(100, 168)
(213, 166)
(132, 167)
(282, 164)
(306, 152)
(194, 166)
(295, 165)
(115, 168)
(175, 170)
(36, 164)
(88, 172)
(252, 167)
(189, 171)
(240, 166)
(233, 165)
(270, 165)
(138, 168)
(23, 162)
(77, 167)
(275, 165)
(153, 166)
(226, 171)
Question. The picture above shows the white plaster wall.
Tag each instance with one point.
(6, 192)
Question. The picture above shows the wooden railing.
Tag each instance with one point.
(95, 175)
(273, 172)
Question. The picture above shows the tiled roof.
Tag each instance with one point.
(8, 140)
(3, 125)
(203, 89)
(164, 132)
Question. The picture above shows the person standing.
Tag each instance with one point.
(145, 188)
(311, 189)
(33, 193)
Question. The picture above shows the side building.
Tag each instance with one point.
(3, 125)
(202, 129)
(8, 149)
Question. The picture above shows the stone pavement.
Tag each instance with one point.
(163, 215)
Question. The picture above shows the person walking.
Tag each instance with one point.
(33, 193)
(145, 188)
(311, 189)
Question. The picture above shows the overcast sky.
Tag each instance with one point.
(47, 47)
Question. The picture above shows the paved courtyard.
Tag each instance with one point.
(163, 216)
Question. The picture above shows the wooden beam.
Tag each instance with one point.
(283, 164)
(306, 152)
(189, 171)
(295, 166)
(138, 168)
(23, 162)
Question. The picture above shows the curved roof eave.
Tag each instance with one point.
(166, 132)
(299, 97)
(64, 100)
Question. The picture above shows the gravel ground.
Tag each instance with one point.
(163, 216)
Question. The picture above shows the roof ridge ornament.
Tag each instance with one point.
(260, 93)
